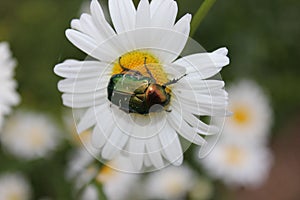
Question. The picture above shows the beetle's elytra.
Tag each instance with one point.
(133, 92)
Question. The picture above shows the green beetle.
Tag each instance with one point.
(135, 93)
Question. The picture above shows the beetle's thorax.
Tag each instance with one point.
(155, 94)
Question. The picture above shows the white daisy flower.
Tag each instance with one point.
(13, 186)
(117, 184)
(90, 193)
(81, 166)
(252, 114)
(29, 135)
(170, 183)
(238, 164)
(139, 99)
(76, 140)
(202, 190)
(8, 94)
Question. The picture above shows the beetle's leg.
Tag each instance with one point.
(148, 71)
(127, 69)
(175, 80)
(168, 110)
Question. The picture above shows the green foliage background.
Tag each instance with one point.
(262, 38)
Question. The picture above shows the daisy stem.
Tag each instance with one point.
(200, 14)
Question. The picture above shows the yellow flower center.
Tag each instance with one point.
(174, 187)
(241, 115)
(36, 137)
(234, 155)
(84, 137)
(14, 196)
(105, 174)
(137, 60)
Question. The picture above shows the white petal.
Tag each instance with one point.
(163, 13)
(168, 44)
(215, 98)
(115, 143)
(88, 26)
(96, 10)
(83, 85)
(204, 65)
(8, 94)
(171, 145)
(90, 46)
(153, 147)
(98, 137)
(124, 120)
(84, 100)
(4, 109)
(80, 69)
(75, 24)
(200, 126)
(105, 30)
(103, 130)
(198, 85)
(100, 21)
(198, 108)
(147, 161)
(89, 118)
(204, 110)
(184, 129)
(143, 14)
(183, 25)
(122, 14)
(223, 51)
(82, 41)
(165, 44)
(7, 72)
(136, 150)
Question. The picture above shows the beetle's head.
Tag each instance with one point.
(156, 94)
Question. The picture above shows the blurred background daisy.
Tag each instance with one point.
(256, 157)
(252, 114)
(14, 186)
(8, 94)
(29, 135)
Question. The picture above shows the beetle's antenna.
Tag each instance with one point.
(175, 80)
(122, 66)
(148, 71)
(127, 69)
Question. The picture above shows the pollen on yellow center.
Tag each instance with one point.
(105, 174)
(37, 137)
(136, 60)
(241, 115)
(234, 155)
(174, 186)
(14, 196)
